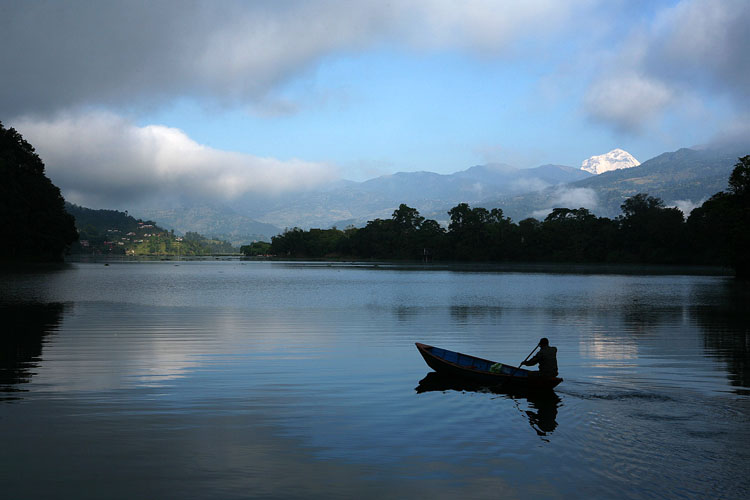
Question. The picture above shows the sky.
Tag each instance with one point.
(131, 102)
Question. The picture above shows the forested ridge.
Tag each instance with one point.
(111, 232)
(646, 232)
(40, 226)
(32, 212)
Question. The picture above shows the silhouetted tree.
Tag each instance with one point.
(577, 235)
(739, 179)
(32, 210)
(651, 232)
(646, 232)
(468, 232)
(530, 238)
(431, 239)
(256, 248)
(407, 219)
(378, 239)
(720, 228)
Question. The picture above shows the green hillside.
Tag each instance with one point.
(217, 222)
(111, 232)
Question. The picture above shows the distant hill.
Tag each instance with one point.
(119, 233)
(106, 219)
(215, 222)
(683, 178)
(355, 203)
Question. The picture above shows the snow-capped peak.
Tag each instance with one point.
(614, 160)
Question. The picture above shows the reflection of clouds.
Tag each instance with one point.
(94, 354)
(607, 348)
(104, 346)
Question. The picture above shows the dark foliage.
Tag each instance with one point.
(651, 233)
(111, 232)
(647, 232)
(25, 325)
(104, 218)
(32, 210)
(255, 249)
(720, 228)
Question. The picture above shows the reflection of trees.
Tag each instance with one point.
(25, 326)
(725, 325)
(543, 405)
(464, 313)
(459, 314)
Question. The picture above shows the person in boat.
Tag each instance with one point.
(547, 359)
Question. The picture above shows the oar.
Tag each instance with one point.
(522, 362)
(515, 369)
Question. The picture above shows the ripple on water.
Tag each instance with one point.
(280, 369)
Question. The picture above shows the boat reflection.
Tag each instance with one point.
(542, 412)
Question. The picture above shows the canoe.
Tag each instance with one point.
(484, 371)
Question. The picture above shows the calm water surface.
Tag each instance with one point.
(232, 379)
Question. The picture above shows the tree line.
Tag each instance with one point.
(32, 212)
(111, 232)
(647, 232)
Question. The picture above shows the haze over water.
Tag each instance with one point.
(229, 379)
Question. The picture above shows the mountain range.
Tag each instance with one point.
(683, 178)
(346, 203)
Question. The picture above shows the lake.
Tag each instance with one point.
(233, 379)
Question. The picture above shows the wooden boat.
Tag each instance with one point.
(484, 371)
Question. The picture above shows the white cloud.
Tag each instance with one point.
(734, 132)
(703, 42)
(103, 160)
(575, 198)
(60, 55)
(692, 49)
(484, 25)
(529, 185)
(687, 206)
(565, 197)
(627, 101)
(542, 213)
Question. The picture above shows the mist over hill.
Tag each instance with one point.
(217, 222)
(683, 178)
(354, 203)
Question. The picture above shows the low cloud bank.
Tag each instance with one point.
(564, 197)
(102, 160)
(687, 206)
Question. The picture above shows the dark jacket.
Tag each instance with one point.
(547, 359)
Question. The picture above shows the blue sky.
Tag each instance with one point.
(222, 99)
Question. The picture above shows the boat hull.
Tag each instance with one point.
(456, 364)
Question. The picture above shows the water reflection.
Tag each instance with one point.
(25, 325)
(542, 412)
(215, 379)
(724, 320)
(464, 313)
